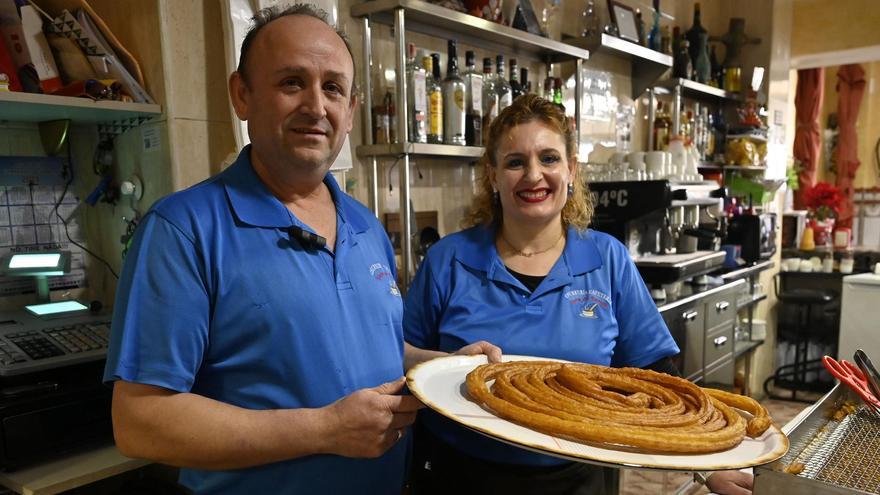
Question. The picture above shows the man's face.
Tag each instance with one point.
(297, 98)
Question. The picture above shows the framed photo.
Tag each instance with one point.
(624, 18)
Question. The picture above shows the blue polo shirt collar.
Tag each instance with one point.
(479, 253)
(255, 205)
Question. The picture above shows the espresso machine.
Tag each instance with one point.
(671, 229)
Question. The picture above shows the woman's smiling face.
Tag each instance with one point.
(532, 174)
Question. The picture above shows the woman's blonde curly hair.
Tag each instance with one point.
(578, 210)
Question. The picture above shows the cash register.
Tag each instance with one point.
(52, 400)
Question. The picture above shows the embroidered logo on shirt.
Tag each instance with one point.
(383, 274)
(589, 311)
(588, 303)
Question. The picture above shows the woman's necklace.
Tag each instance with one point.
(532, 253)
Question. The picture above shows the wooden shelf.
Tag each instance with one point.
(31, 107)
(69, 472)
(420, 149)
(434, 20)
(646, 65)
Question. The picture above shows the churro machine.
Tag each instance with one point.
(834, 450)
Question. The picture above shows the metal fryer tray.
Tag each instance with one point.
(840, 456)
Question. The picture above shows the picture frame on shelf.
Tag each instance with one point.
(624, 19)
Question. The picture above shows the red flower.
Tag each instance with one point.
(824, 200)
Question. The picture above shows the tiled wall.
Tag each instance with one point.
(100, 225)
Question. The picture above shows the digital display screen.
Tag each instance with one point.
(56, 308)
(47, 260)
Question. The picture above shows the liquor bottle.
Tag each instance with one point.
(490, 96)
(717, 70)
(416, 99)
(710, 135)
(662, 128)
(391, 112)
(665, 41)
(453, 100)
(697, 36)
(686, 126)
(515, 87)
(548, 88)
(473, 95)
(590, 21)
(557, 92)
(655, 38)
(699, 130)
(640, 28)
(381, 118)
(502, 87)
(676, 44)
(524, 80)
(681, 63)
(435, 98)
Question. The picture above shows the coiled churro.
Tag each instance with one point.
(629, 407)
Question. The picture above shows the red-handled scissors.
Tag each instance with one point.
(853, 377)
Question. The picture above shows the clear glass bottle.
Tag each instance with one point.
(502, 87)
(590, 21)
(548, 88)
(515, 87)
(473, 84)
(435, 98)
(490, 97)
(453, 100)
(417, 98)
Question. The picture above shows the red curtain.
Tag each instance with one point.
(808, 104)
(850, 89)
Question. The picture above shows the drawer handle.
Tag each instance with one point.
(722, 306)
(720, 341)
(690, 315)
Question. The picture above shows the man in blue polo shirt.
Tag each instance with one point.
(257, 335)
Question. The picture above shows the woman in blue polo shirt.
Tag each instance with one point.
(529, 277)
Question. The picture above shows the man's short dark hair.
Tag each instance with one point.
(269, 14)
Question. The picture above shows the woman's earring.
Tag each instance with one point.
(496, 198)
(570, 189)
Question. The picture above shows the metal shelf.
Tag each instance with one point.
(722, 166)
(742, 347)
(646, 65)
(31, 107)
(754, 300)
(695, 90)
(747, 271)
(439, 21)
(418, 16)
(419, 149)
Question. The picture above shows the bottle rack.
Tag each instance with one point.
(684, 88)
(434, 20)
